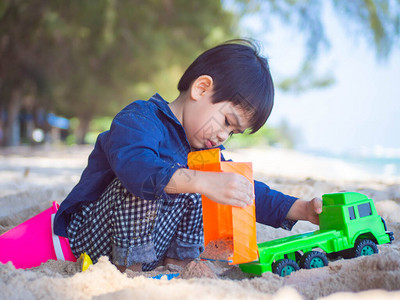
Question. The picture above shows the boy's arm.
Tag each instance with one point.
(272, 207)
(131, 149)
(279, 210)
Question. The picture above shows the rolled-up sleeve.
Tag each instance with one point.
(132, 151)
(272, 206)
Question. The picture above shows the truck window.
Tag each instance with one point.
(351, 213)
(364, 210)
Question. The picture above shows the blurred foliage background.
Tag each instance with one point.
(85, 60)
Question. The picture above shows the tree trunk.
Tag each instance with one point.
(2, 122)
(11, 126)
(83, 128)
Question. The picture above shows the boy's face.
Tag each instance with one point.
(208, 125)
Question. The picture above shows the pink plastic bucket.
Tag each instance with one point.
(33, 242)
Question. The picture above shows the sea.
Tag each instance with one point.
(380, 165)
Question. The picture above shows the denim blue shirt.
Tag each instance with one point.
(144, 147)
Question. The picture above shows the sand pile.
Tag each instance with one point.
(220, 249)
(52, 174)
(197, 269)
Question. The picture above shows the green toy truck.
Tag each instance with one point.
(349, 227)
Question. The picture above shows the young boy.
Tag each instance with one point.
(137, 202)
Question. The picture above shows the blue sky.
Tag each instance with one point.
(360, 112)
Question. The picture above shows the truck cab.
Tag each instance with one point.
(355, 215)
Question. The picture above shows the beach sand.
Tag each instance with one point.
(31, 178)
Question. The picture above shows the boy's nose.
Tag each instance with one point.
(222, 135)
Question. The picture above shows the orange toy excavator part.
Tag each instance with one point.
(221, 221)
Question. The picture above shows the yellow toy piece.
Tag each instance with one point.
(86, 261)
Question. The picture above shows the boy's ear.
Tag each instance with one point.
(201, 87)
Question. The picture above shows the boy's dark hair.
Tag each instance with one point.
(240, 75)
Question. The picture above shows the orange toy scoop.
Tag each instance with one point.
(227, 226)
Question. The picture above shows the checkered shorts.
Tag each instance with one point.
(132, 230)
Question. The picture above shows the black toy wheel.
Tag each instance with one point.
(365, 247)
(284, 267)
(313, 259)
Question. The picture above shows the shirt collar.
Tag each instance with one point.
(164, 107)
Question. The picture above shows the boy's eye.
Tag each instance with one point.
(227, 122)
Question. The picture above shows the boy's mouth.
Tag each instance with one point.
(210, 144)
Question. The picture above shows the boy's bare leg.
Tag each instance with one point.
(177, 262)
(134, 268)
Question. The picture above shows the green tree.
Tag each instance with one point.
(21, 60)
(90, 59)
(85, 59)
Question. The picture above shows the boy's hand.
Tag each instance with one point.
(224, 188)
(314, 208)
(306, 210)
(227, 188)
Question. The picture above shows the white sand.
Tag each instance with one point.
(31, 179)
